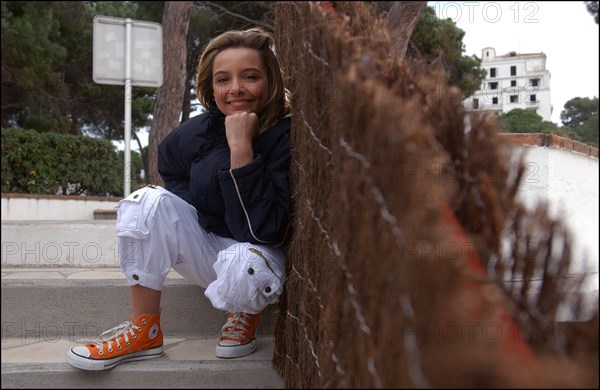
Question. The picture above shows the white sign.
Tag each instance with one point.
(110, 45)
(127, 52)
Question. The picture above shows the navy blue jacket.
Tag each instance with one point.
(249, 204)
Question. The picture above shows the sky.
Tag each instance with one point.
(564, 31)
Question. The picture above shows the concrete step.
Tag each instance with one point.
(90, 243)
(105, 214)
(47, 304)
(61, 282)
(187, 363)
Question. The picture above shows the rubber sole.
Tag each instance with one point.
(235, 351)
(84, 363)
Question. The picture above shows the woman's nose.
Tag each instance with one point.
(236, 86)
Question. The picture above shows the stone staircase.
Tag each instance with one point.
(105, 214)
(61, 284)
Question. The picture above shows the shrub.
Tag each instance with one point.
(53, 163)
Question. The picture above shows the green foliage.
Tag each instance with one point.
(580, 119)
(587, 132)
(118, 9)
(519, 120)
(47, 69)
(47, 66)
(136, 167)
(31, 60)
(441, 40)
(578, 110)
(592, 7)
(579, 114)
(47, 63)
(51, 163)
(37, 52)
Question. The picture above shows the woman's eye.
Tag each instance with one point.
(221, 80)
(251, 77)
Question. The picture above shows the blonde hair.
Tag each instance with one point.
(278, 102)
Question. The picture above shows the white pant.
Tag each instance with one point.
(158, 231)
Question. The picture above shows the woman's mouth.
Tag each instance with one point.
(239, 103)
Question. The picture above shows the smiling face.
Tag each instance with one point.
(239, 81)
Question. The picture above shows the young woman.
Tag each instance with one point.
(224, 212)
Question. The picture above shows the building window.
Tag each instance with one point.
(513, 83)
(476, 103)
(514, 98)
(513, 70)
(492, 72)
(495, 100)
(532, 98)
(493, 85)
(534, 82)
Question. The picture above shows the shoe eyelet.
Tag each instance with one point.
(134, 336)
(119, 347)
(129, 342)
(101, 353)
(110, 350)
(144, 322)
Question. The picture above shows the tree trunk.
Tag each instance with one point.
(167, 109)
(402, 19)
(187, 96)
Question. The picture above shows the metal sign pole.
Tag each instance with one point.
(128, 98)
(128, 52)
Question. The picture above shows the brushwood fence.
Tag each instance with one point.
(411, 263)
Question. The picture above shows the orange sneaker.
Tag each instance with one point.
(128, 342)
(237, 335)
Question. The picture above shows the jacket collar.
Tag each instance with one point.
(216, 123)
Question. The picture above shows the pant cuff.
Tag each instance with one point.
(146, 280)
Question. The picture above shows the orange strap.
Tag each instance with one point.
(513, 342)
(327, 8)
(514, 345)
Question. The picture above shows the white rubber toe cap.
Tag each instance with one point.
(81, 351)
(228, 343)
(231, 349)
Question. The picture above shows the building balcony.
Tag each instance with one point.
(481, 108)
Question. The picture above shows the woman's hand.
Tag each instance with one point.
(240, 129)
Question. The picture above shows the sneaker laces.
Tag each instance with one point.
(124, 329)
(238, 327)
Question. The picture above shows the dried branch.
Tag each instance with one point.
(402, 19)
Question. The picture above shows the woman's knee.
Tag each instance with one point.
(138, 212)
(249, 277)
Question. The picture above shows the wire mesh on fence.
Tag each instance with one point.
(398, 272)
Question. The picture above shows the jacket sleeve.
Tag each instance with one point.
(257, 196)
(172, 167)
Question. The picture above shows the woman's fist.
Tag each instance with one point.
(240, 129)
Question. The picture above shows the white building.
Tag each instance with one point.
(513, 81)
